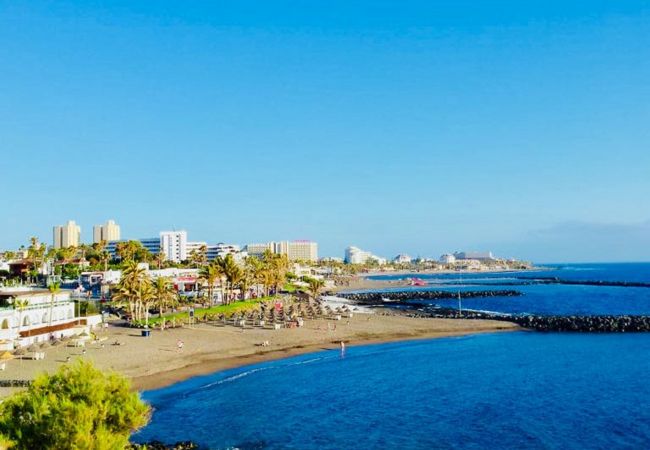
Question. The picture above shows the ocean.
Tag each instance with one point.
(505, 390)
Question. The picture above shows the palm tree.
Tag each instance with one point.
(164, 293)
(146, 296)
(210, 274)
(230, 271)
(199, 257)
(21, 305)
(159, 257)
(132, 288)
(315, 286)
(54, 289)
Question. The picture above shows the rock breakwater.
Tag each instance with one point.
(377, 298)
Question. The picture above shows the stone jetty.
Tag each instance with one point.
(377, 298)
(584, 324)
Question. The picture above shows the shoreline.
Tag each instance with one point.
(168, 378)
(154, 362)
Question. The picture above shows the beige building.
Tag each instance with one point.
(68, 235)
(258, 249)
(108, 232)
(295, 250)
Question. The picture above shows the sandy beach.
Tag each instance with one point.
(156, 362)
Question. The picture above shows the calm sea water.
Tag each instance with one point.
(551, 299)
(509, 390)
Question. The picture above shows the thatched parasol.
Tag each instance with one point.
(6, 356)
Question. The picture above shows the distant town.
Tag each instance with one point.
(50, 292)
(68, 257)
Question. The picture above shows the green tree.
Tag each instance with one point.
(315, 285)
(54, 289)
(21, 306)
(210, 274)
(231, 271)
(163, 291)
(78, 407)
(134, 289)
(199, 257)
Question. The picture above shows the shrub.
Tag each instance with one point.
(78, 407)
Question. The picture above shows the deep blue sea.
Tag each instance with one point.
(508, 391)
(553, 299)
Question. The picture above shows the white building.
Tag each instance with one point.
(173, 244)
(258, 250)
(402, 258)
(110, 231)
(195, 246)
(447, 258)
(300, 250)
(479, 256)
(222, 250)
(151, 244)
(68, 235)
(354, 255)
(34, 315)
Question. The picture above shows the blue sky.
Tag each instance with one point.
(419, 127)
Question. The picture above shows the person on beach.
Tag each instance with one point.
(179, 345)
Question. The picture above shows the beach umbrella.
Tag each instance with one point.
(44, 344)
(57, 342)
(33, 348)
(6, 356)
(19, 352)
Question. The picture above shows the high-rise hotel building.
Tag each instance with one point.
(68, 235)
(108, 232)
(295, 250)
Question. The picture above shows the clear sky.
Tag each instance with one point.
(522, 127)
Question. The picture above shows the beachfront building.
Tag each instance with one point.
(354, 255)
(151, 244)
(479, 256)
(30, 316)
(258, 250)
(110, 231)
(195, 246)
(402, 258)
(447, 258)
(300, 250)
(173, 245)
(223, 250)
(68, 235)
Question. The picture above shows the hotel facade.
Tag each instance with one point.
(68, 235)
(108, 232)
(294, 250)
(29, 316)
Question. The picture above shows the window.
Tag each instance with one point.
(5, 324)
(26, 321)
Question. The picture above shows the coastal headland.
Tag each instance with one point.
(156, 361)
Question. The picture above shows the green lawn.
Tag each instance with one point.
(228, 310)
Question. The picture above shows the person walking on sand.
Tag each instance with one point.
(179, 345)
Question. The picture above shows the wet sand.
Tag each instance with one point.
(156, 362)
